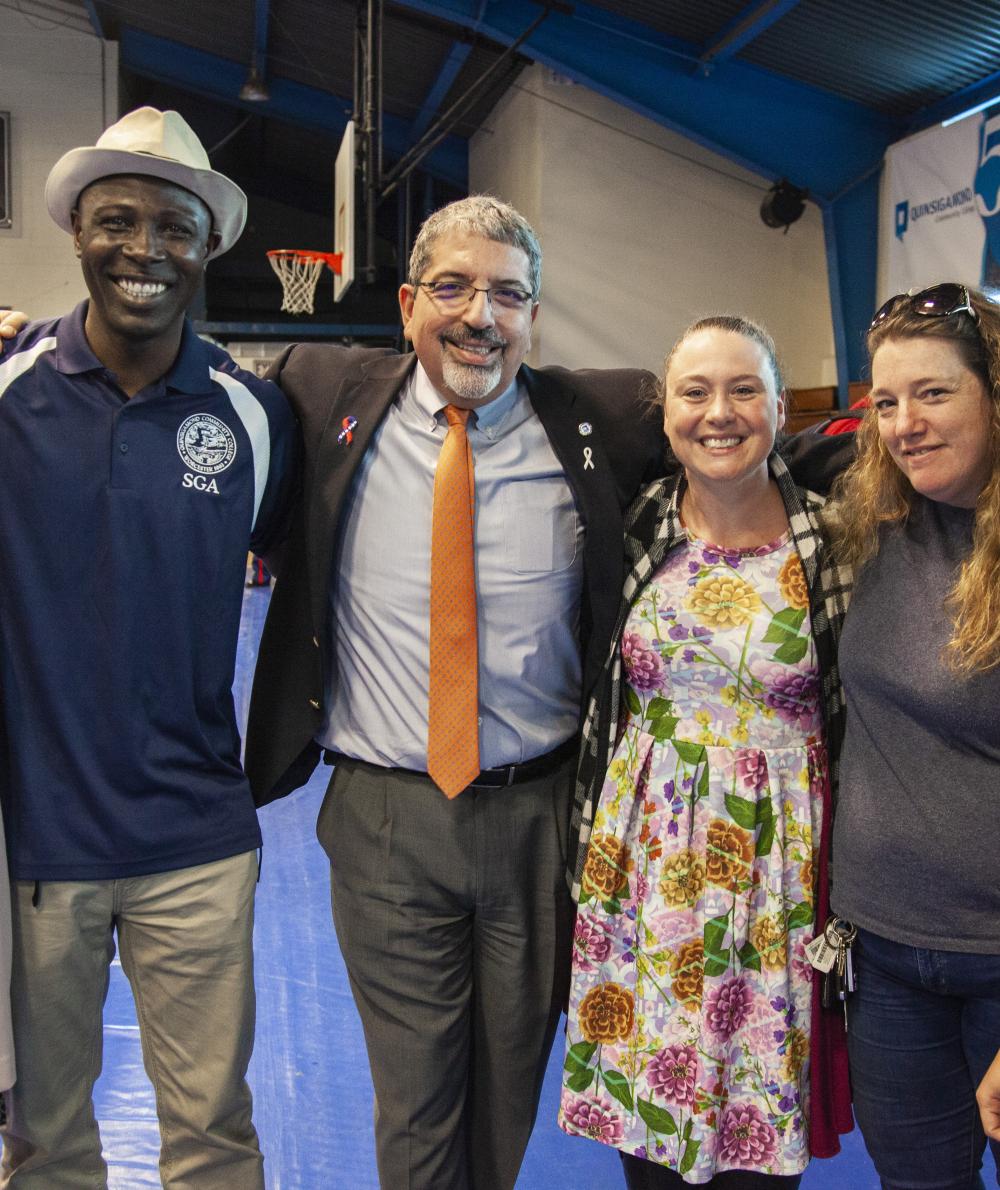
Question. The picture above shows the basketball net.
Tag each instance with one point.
(298, 271)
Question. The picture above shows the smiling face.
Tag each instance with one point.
(933, 416)
(470, 355)
(721, 410)
(142, 245)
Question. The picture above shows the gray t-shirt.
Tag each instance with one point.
(916, 842)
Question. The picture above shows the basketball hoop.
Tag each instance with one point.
(298, 269)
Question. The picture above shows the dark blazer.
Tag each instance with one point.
(325, 384)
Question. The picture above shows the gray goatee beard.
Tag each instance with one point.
(470, 382)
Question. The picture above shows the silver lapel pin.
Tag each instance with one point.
(586, 429)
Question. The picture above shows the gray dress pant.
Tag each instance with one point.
(455, 923)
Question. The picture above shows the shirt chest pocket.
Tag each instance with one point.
(542, 530)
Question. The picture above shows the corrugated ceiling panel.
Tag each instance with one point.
(895, 56)
(694, 22)
(312, 42)
(193, 23)
(413, 54)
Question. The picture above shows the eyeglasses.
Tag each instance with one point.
(456, 295)
(939, 301)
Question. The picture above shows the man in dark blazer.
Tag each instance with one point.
(452, 913)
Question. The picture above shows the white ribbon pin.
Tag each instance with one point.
(586, 429)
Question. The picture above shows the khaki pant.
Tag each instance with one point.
(186, 941)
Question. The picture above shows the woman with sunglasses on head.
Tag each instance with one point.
(692, 1021)
(918, 817)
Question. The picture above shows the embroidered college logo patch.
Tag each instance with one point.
(206, 444)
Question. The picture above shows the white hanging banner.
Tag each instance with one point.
(939, 218)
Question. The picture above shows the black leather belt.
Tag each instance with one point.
(499, 778)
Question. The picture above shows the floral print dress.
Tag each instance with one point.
(689, 1014)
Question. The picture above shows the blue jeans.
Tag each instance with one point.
(924, 1026)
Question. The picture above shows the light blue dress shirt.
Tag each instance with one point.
(529, 580)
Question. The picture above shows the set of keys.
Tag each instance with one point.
(830, 954)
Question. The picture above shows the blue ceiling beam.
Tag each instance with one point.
(477, 15)
(744, 28)
(765, 123)
(220, 80)
(945, 109)
(850, 229)
(456, 59)
(94, 17)
(769, 125)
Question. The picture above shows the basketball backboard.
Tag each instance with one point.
(343, 212)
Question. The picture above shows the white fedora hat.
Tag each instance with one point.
(157, 145)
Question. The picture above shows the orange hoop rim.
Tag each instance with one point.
(331, 259)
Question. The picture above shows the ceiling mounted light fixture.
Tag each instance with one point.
(254, 90)
(783, 204)
(970, 111)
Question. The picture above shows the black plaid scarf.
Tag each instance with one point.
(652, 529)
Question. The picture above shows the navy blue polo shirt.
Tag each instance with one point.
(124, 529)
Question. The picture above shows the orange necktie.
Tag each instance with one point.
(453, 714)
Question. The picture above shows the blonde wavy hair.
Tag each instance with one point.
(873, 491)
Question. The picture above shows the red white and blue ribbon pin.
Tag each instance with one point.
(347, 433)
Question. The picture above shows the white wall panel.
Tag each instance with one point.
(61, 88)
(644, 231)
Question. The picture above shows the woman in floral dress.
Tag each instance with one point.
(691, 1009)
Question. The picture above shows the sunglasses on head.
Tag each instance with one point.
(939, 301)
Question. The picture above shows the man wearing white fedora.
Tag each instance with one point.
(137, 466)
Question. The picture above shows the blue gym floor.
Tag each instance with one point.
(312, 1091)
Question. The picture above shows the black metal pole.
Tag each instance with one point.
(371, 189)
(368, 115)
